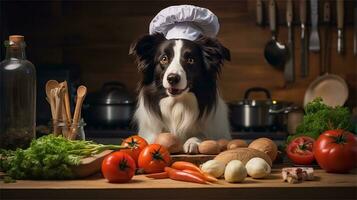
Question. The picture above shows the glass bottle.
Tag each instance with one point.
(17, 96)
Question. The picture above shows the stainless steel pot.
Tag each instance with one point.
(112, 106)
(250, 113)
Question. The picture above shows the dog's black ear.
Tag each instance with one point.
(213, 51)
(145, 48)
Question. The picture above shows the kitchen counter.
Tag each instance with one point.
(325, 186)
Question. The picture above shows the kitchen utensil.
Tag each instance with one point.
(259, 16)
(81, 93)
(65, 128)
(340, 16)
(257, 114)
(65, 111)
(58, 94)
(275, 53)
(355, 31)
(304, 44)
(112, 106)
(67, 102)
(325, 52)
(314, 43)
(289, 65)
(51, 84)
(55, 72)
(332, 88)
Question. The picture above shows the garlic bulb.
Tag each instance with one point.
(258, 168)
(235, 172)
(213, 167)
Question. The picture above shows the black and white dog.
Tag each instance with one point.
(178, 92)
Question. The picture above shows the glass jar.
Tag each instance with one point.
(65, 129)
(17, 96)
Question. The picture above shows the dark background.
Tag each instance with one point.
(93, 38)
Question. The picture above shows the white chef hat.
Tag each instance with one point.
(185, 22)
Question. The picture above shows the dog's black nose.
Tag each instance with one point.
(173, 79)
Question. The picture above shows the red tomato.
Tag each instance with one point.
(336, 151)
(136, 144)
(300, 150)
(154, 158)
(118, 167)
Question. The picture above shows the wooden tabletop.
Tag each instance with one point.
(325, 186)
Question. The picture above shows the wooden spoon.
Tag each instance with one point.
(65, 128)
(59, 93)
(67, 102)
(51, 84)
(81, 93)
(66, 109)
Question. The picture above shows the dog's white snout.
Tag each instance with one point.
(175, 75)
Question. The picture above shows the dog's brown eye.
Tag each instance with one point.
(164, 60)
(190, 61)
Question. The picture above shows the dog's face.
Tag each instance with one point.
(175, 67)
(179, 64)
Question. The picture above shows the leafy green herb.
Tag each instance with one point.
(49, 157)
(320, 117)
(8, 179)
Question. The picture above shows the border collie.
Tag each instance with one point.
(178, 92)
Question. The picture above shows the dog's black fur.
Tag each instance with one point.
(202, 75)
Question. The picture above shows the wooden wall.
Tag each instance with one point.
(96, 36)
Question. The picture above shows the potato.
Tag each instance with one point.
(265, 145)
(170, 141)
(223, 144)
(209, 147)
(233, 144)
(242, 154)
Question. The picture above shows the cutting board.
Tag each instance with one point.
(90, 165)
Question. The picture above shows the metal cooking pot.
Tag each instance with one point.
(257, 114)
(112, 106)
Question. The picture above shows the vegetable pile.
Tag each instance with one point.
(49, 157)
(184, 171)
(319, 118)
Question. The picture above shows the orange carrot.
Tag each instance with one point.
(160, 175)
(168, 169)
(204, 176)
(210, 178)
(179, 175)
(181, 165)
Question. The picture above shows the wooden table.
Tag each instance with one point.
(326, 186)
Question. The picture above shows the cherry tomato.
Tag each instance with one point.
(154, 158)
(136, 144)
(336, 151)
(300, 149)
(118, 167)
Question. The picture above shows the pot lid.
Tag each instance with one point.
(111, 93)
(252, 102)
(268, 102)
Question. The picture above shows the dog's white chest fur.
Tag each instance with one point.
(180, 115)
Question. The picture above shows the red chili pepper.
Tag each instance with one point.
(204, 176)
(181, 165)
(179, 175)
